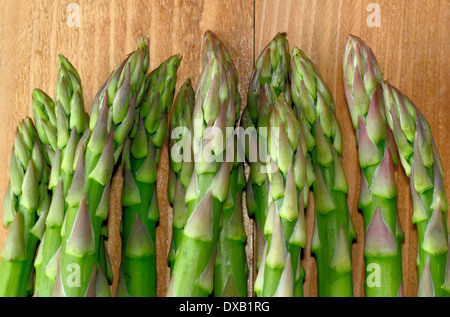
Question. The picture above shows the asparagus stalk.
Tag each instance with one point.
(111, 121)
(44, 115)
(276, 195)
(181, 162)
(377, 156)
(214, 112)
(280, 271)
(230, 268)
(70, 128)
(333, 232)
(421, 162)
(272, 69)
(104, 274)
(139, 199)
(25, 207)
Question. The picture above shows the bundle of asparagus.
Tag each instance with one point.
(62, 163)
(25, 208)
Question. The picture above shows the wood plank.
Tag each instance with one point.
(412, 47)
(34, 33)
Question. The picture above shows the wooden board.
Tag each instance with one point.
(411, 45)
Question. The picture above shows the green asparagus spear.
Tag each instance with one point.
(231, 269)
(181, 162)
(214, 112)
(333, 232)
(377, 156)
(140, 202)
(44, 115)
(280, 271)
(70, 128)
(25, 208)
(421, 162)
(272, 69)
(276, 197)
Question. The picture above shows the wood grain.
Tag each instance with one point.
(411, 45)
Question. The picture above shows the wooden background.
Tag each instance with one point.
(411, 44)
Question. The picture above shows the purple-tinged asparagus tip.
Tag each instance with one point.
(81, 241)
(139, 243)
(324, 201)
(368, 153)
(384, 182)
(341, 261)
(77, 187)
(435, 238)
(380, 240)
(200, 223)
(285, 286)
(14, 248)
(276, 256)
(426, 287)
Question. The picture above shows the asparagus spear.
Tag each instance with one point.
(214, 112)
(112, 118)
(230, 276)
(421, 162)
(284, 228)
(230, 268)
(25, 207)
(181, 162)
(333, 231)
(140, 202)
(272, 69)
(280, 271)
(377, 155)
(44, 115)
(70, 127)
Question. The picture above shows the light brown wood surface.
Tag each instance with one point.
(411, 44)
